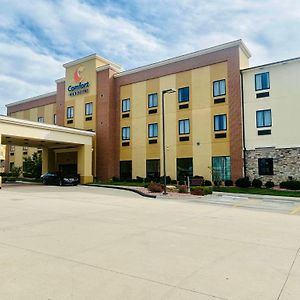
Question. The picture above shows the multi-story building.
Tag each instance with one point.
(203, 118)
(2, 158)
(271, 122)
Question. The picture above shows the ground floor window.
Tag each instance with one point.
(153, 168)
(265, 166)
(184, 168)
(126, 169)
(221, 168)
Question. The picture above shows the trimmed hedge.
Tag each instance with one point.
(183, 189)
(290, 185)
(201, 190)
(243, 182)
(228, 182)
(257, 183)
(155, 187)
(269, 184)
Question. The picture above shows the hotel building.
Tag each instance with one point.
(203, 118)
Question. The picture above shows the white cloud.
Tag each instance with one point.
(37, 37)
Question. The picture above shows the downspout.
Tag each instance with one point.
(243, 124)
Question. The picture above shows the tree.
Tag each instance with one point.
(32, 166)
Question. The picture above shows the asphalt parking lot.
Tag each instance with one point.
(94, 243)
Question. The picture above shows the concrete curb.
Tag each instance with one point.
(255, 196)
(117, 187)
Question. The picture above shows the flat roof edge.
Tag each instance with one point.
(31, 99)
(236, 43)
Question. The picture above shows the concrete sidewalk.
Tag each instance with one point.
(94, 243)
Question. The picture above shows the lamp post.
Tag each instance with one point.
(168, 91)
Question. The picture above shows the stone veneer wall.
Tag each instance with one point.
(286, 162)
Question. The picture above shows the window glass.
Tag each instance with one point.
(265, 166)
(54, 119)
(152, 100)
(126, 105)
(221, 168)
(89, 109)
(40, 119)
(125, 133)
(184, 94)
(126, 170)
(152, 130)
(220, 122)
(184, 126)
(263, 118)
(70, 112)
(153, 168)
(219, 88)
(262, 81)
(184, 168)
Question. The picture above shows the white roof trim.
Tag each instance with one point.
(109, 66)
(31, 99)
(89, 57)
(59, 80)
(238, 43)
(11, 120)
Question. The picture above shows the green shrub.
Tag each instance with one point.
(228, 182)
(243, 182)
(16, 172)
(290, 185)
(207, 183)
(269, 184)
(174, 182)
(139, 179)
(115, 179)
(201, 190)
(155, 187)
(183, 189)
(257, 183)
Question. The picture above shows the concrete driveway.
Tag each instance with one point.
(94, 243)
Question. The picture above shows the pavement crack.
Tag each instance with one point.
(288, 275)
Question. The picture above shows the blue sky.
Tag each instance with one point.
(37, 37)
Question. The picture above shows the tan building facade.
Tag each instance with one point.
(271, 107)
(203, 117)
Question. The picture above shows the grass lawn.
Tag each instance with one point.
(257, 191)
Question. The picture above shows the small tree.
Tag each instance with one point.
(16, 171)
(32, 166)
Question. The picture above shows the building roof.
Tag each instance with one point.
(237, 43)
(290, 60)
(31, 99)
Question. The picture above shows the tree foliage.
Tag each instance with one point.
(32, 166)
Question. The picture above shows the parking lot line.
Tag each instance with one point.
(245, 202)
(295, 210)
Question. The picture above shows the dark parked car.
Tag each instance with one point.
(56, 178)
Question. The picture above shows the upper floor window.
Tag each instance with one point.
(220, 122)
(219, 88)
(126, 105)
(40, 119)
(184, 126)
(54, 119)
(152, 130)
(263, 118)
(262, 81)
(184, 94)
(152, 100)
(125, 133)
(70, 112)
(89, 109)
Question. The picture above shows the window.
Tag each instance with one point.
(219, 88)
(184, 168)
(89, 109)
(265, 166)
(220, 122)
(152, 100)
(126, 105)
(40, 119)
(262, 81)
(152, 130)
(184, 126)
(12, 148)
(11, 165)
(263, 118)
(125, 133)
(153, 168)
(25, 148)
(70, 112)
(184, 94)
(221, 168)
(54, 119)
(126, 169)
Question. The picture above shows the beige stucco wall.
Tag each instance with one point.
(283, 102)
